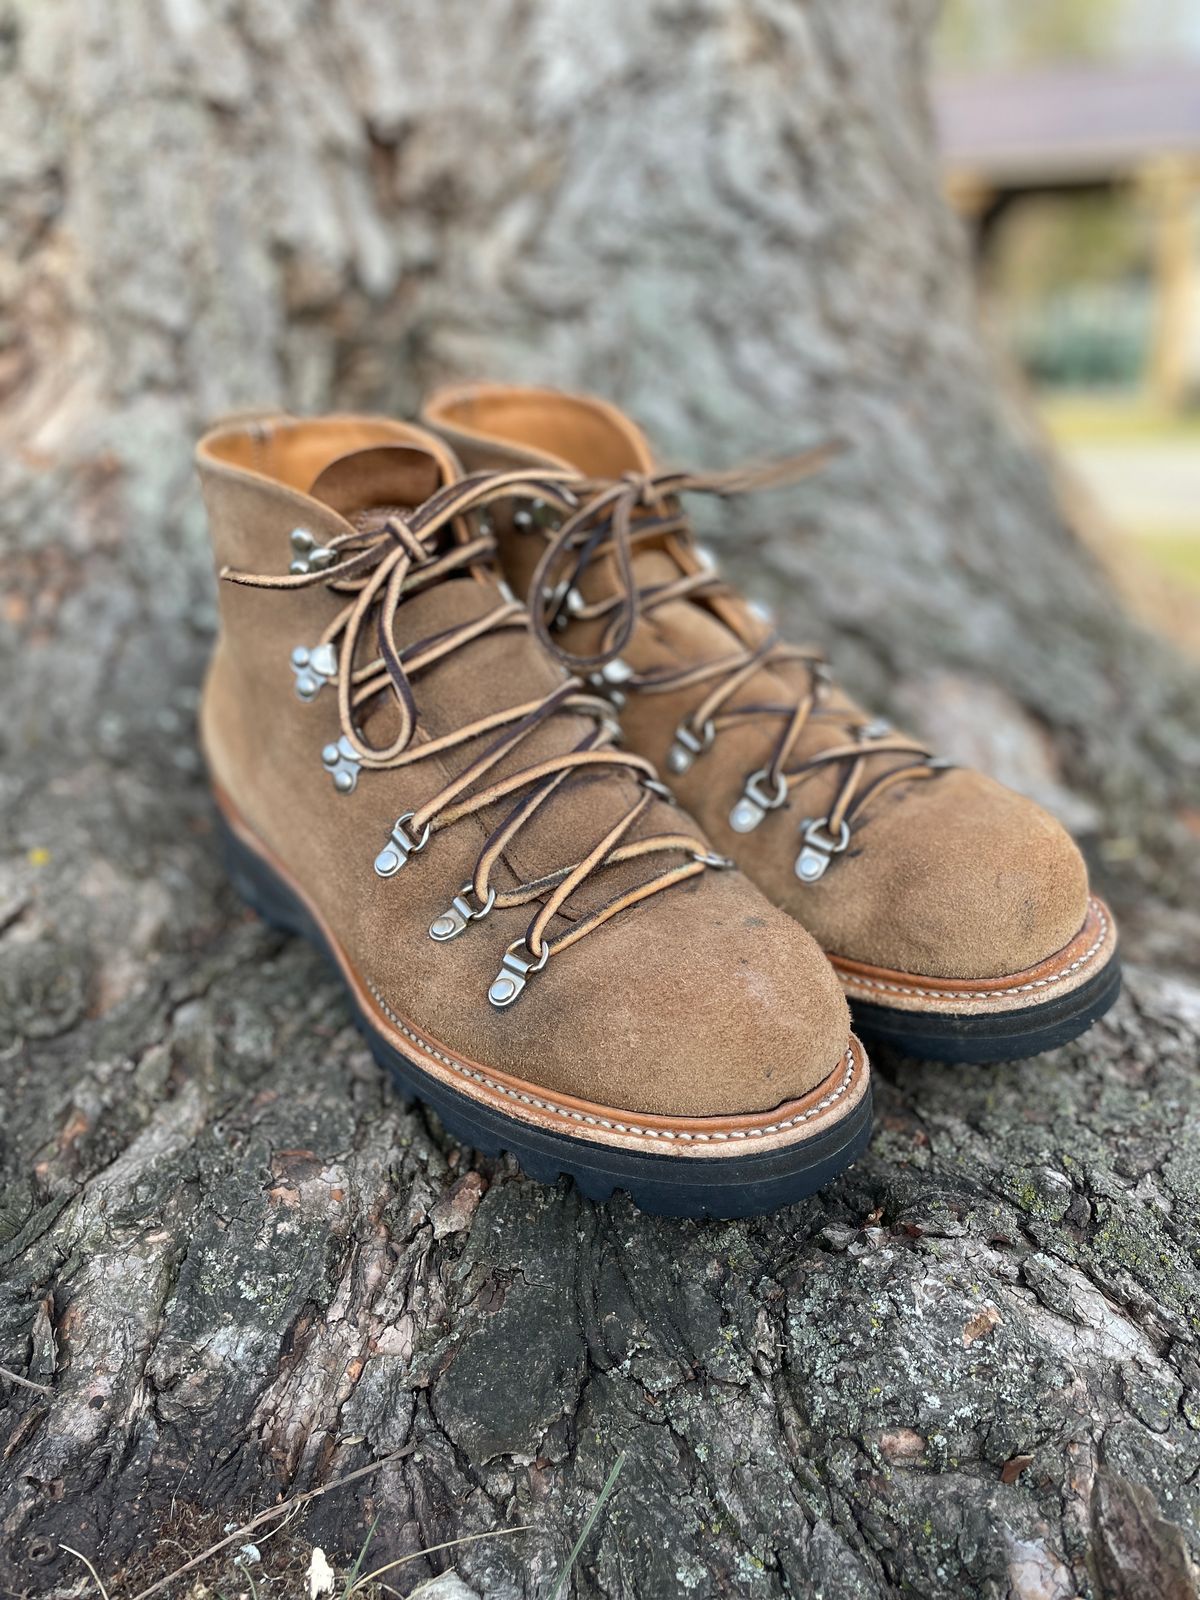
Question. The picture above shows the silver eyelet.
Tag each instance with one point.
(342, 762)
(818, 848)
(877, 728)
(755, 801)
(313, 668)
(688, 745)
(461, 911)
(399, 847)
(535, 516)
(608, 680)
(307, 554)
(515, 972)
(563, 602)
(615, 671)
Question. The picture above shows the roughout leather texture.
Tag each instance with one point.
(952, 876)
(703, 1000)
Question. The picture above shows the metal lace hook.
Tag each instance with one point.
(756, 801)
(818, 848)
(400, 846)
(460, 911)
(515, 971)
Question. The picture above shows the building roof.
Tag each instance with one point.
(1067, 124)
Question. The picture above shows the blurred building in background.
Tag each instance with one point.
(1082, 184)
(1070, 132)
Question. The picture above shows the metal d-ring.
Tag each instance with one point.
(756, 801)
(400, 846)
(515, 972)
(452, 922)
(819, 847)
(656, 787)
(688, 745)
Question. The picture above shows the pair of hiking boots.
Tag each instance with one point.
(458, 799)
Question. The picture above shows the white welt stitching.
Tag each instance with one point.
(857, 982)
(607, 1122)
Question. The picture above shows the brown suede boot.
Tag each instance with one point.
(956, 913)
(533, 939)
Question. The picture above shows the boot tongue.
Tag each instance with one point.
(367, 486)
(621, 447)
(607, 444)
(510, 427)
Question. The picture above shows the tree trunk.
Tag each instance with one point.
(233, 1269)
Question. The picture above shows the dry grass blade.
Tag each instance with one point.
(249, 1576)
(432, 1550)
(352, 1579)
(71, 1551)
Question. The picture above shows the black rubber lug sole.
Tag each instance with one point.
(1002, 1036)
(673, 1186)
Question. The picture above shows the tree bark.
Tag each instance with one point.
(233, 1267)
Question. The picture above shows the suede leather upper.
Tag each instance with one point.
(952, 876)
(702, 1000)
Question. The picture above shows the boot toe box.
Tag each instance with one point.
(959, 878)
(704, 1002)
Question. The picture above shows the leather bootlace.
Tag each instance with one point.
(377, 571)
(619, 516)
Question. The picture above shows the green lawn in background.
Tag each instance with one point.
(1126, 425)
(1175, 554)
(1127, 419)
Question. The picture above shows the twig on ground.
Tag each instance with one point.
(25, 1383)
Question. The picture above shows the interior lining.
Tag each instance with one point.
(294, 451)
(582, 433)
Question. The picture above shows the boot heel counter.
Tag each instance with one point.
(218, 720)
